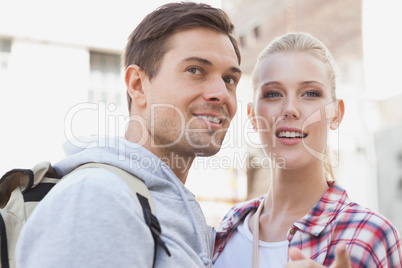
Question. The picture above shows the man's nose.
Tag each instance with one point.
(216, 91)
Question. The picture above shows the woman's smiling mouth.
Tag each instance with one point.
(291, 134)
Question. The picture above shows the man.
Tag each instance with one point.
(182, 69)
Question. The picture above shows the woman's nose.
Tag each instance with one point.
(290, 109)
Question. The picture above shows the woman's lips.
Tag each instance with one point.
(290, 135)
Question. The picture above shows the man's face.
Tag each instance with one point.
(192, 99)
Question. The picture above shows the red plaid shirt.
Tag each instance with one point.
(370, 238)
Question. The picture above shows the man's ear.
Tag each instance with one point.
(134, 78)
(251, 115)
(336, 121)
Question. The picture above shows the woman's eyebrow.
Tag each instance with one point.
(307, 83)
(270, 83)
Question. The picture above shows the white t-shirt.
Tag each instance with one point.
(238, 251)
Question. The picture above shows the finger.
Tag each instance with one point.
(307, 263)
(342, 259)
(298, 260)
(296, 254)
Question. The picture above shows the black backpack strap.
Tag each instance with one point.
(153, 224)
(3, 244)
(138, 186)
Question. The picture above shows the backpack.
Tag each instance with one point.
(22, 189)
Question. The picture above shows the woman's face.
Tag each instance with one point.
(293, 108)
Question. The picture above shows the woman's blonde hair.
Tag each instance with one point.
(301, 42)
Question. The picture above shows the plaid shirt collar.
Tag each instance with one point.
(333, 201)
(314, 222)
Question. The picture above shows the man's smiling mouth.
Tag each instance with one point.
(211, 119)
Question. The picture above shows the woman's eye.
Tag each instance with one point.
(194, 70)
(272, 94)
(312, 93)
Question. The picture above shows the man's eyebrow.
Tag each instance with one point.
(200, 60)
(207, 62)
(235, 70)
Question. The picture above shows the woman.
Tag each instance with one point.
(294, 106)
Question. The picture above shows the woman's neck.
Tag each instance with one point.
(293, 193)
(296, 190)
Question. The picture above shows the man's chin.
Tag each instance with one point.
(206, 152)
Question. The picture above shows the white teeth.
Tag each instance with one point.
(291, 134)
(210, 118)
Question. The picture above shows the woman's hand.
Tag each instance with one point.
(299, 260)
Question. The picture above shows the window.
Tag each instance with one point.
(105, 80)
(243, 41)
(5, 51)
(251, 37)
(257, 32)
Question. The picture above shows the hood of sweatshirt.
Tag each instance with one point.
(121, 153)
(133, 158)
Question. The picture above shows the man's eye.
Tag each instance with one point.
(194, 70)
(229, 80)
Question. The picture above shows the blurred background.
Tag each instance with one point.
(61, 79)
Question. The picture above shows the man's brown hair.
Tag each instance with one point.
(148, 43)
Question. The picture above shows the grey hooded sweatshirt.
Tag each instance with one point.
(92, 219)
